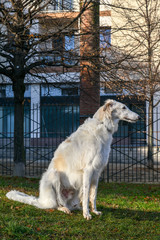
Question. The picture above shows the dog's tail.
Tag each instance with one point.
(23, 198)
(47, 193)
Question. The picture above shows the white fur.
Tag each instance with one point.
(73, 174)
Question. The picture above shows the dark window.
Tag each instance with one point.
(7, 121)
(58, 48)
(69, 91)
(2, 91)
(59, 121)
(11, 45)
(62, 50)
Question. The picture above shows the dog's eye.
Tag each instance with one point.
(124, 107)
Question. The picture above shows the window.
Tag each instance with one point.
(49, 91)
(7, 112)
(60, 5)
(63, 5)
(59, 121)
(57, 46)
(9, 91)
(63, 47)
(63, 50)
(2, 91)
(7, 121)
(69, 91)
(11, 45)
(69, 45)
(6, 91)
(105, 38)
(27, 91)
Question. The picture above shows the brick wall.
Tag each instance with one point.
(89, 73)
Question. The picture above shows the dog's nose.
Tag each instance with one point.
(139, 117)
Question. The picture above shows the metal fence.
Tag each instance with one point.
(47, 126)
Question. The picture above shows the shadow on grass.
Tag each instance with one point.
(138, 215)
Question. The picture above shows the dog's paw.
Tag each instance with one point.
(64, 209)
(97, 212)
(87, 216)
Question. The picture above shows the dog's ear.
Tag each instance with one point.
(99, 114)
(108, 105)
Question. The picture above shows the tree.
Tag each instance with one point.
(24, 52)
(132, 65)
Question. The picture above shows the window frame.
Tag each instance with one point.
(108, 36)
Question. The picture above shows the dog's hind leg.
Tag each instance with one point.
(47, 193)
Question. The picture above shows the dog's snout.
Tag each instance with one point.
(139, 117)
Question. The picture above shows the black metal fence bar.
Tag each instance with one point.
(47, 126)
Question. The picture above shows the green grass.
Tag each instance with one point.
(130, 211)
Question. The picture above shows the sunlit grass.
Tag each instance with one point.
(130, 211)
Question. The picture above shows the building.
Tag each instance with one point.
(63, 84)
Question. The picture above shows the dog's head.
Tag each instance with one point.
(116, 111)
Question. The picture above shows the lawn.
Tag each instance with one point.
(130, 211)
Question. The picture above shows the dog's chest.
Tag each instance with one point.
(105, 151)
(102, 155)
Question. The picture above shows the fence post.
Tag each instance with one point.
(108, 172)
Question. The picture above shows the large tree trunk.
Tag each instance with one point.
(19, 153)
(150, 134)
(89, 51)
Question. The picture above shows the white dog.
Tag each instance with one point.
(73, 174)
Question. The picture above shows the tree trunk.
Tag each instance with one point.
(19, 153)
(150, 134)
(89, 51)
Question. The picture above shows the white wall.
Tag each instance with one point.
(156, 121)
(35, 113)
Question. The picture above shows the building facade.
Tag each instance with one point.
(63, 84)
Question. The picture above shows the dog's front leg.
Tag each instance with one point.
(86, 190)
(93, 194)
